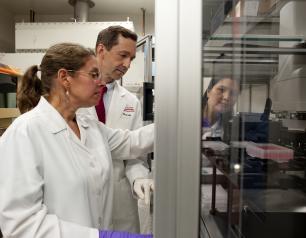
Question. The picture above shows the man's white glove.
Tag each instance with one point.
(143, 187)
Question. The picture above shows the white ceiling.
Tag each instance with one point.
(59, 7)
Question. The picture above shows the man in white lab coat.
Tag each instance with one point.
(115, 49)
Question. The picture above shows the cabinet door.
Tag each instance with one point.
(253, 148)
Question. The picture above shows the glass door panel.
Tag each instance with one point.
(253, 163)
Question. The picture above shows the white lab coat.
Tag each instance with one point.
(53, 185)
(124, 113)
(215, 130)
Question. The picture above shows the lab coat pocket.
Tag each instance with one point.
(125, 114)
(126, 119)
(125, 206)
(128, 111)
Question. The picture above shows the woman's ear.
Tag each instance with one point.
(63, 78)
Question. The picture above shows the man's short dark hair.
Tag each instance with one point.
(109, 36)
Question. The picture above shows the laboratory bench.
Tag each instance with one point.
(252, 197)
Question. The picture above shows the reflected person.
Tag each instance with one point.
(217, 102)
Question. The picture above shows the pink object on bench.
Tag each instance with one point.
(269, 151)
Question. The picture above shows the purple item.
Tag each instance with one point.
(205, 123)
(121, 234)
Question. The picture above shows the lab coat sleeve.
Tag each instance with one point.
(22, 210)
(136, 168)
(126, 144)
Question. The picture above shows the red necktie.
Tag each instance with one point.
(100, 109)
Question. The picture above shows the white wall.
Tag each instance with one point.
(21, 61)
(7, 29)
(288, 88)
(254, 102)
(137, 20)
(259, 96)
(7, 24)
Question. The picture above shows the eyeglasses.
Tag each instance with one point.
(95, 75)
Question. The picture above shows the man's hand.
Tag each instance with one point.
(142, 187)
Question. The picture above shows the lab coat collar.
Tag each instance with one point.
(82, 121)
(110, 86)
(55, 120)
(121, 90)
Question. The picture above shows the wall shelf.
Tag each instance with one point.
(253, 37)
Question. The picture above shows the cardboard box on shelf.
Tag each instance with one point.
(254, 7)
(9, 112)
(7, 115)
(249, 8)
(266, 6)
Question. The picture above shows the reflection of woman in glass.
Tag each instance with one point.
(218, 101)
